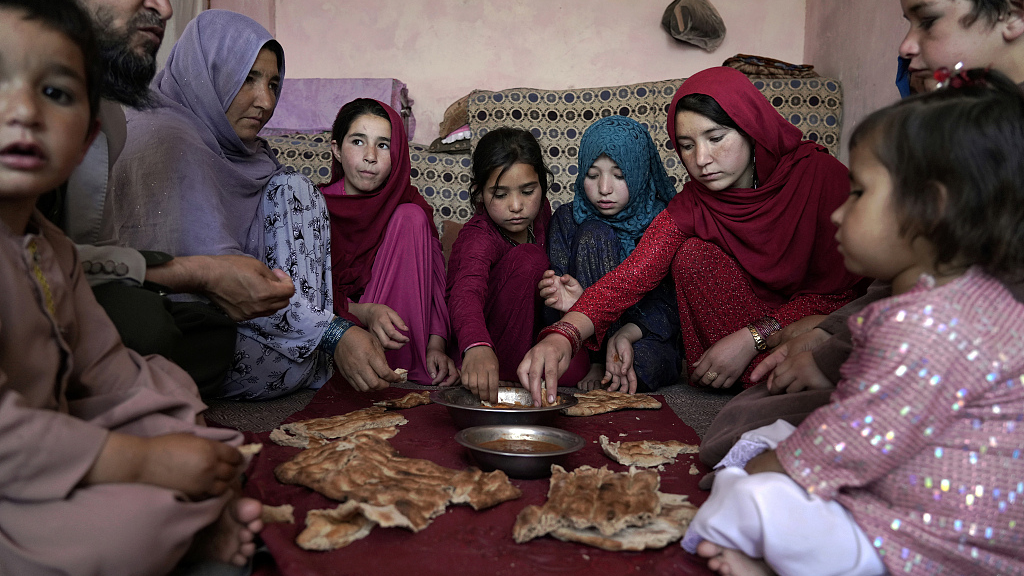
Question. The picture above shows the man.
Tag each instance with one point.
(194, 334)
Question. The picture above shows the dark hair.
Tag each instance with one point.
(708, 107)
(954, 156)
(343, 121)
(991, 10)
(500, 149)
(67, 17)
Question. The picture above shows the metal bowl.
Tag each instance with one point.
(466, 409)
(518, 464)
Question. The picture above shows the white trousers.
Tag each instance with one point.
(769, 516)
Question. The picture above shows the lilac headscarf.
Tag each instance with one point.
(186, 183)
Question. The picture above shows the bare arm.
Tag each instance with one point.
(242, 285)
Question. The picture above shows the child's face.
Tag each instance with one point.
(605, 187)
(868, 235)
(514, 202)
(938, 39)
(365, 154)
(717, 156)
(44, 107)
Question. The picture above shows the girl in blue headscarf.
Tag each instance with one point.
(621, 186)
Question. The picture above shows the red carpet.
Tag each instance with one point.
(463, 541)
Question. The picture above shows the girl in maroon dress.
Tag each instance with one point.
(497, 262)
(747, 240)
(387, 266)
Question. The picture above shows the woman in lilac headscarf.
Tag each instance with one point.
(195, 179)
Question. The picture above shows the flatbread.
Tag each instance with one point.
(249, 450)
(319, 431)
(410, 400)
(592, 498)
(403, 374)
(334, 528)
(612, 511)
(392, 490)
(601, 401)
(284, 513)
(646, 453)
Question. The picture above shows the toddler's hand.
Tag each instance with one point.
(798, 373)
(198, 467)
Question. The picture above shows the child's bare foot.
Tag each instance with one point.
(731, 562)
(229, 540)
(592, 381)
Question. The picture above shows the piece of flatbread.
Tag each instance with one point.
(668, 526)
(249, 450)
(334, 528)
(410, 400)
(646, 453)
(284, 513)
(403, 374)
(613, 511)
(601, 401)
(592, 498)
(398, 491)
(319, 431)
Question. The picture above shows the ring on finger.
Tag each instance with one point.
(710, 376)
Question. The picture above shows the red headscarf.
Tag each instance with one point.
(779, 233)
(358, 221)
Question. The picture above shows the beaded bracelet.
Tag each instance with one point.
(568, 330)
(761, 329)
(333, 334)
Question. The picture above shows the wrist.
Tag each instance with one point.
(569, 331)
(333, 334)
(760, 330)
(476, 348)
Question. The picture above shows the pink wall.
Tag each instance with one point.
(442, 49)
(856, 42)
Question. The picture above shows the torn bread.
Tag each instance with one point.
(410, 400)
(601, 401)
(592, 498)
(284, 513)
(646, 453)
(613, 511)
(334, 528)
(318, 431)
(403, 375)
(397, 491)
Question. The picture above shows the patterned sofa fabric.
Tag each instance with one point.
(558, 119)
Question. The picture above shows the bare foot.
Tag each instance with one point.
(230, 539)
(731, 562)
(592, 381)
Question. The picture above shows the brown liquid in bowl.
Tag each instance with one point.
(521, 446)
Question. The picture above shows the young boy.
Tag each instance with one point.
(103, 469)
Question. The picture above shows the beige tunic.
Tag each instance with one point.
(65, 381)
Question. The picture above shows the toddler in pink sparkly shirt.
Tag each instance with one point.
(916, 465)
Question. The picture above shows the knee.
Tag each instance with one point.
(409, 219)
(526, 258)
(698, 256)
(596, 232)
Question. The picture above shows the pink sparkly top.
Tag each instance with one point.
(922, 442)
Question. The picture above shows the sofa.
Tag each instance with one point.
(558, 119)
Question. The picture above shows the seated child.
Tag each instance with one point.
(498, 260)
(387, 267)
(103, 468)
(621, 186)
(915, 465)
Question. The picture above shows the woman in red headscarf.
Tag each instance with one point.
(388, 269)
(748, 240)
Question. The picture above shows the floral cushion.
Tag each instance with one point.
(558, 118)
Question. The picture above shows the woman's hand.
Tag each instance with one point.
(440, 367)
(722, 364)
(542, 366)
(480, 372)
(797, 373)
(559, 292)
(382, 322)
(360, 360)
(619, 361)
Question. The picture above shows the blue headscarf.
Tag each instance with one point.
(630, 146)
